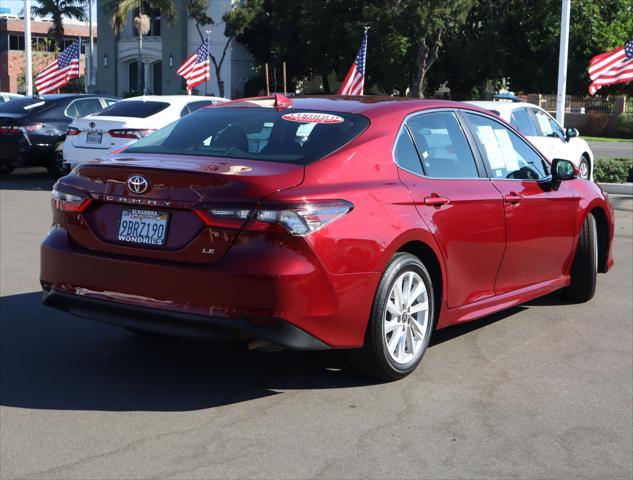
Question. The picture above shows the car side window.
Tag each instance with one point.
(522, 121)
(506, 154)
(548, 126)
(87, 106)
(193, 106)
(185, 111)
(443, 146)
(406, 155)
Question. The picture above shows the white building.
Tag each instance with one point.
(165, 48)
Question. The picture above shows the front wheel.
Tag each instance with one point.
(584, 170)
(399, 329)
(584, 270)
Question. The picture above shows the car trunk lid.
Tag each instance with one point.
(177, 188)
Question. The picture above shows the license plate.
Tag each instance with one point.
(143, 227)
(94, 137)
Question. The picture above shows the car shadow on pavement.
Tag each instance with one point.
(27, 179)
(52, 360)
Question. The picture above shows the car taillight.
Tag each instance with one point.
(22, 128)
(73, 131)
(296, 219)
(66, 202)
(130, 132)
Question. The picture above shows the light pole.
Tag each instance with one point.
(91, 47)
(562, 62)
(28, 57)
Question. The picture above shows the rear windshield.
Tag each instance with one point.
(24, 105)
(287, 136)
(134, 108)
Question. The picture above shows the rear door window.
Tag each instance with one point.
(258, 133)
(134, 109)
(87, 106)
(505, 153)
(523, 122)
(443, 146)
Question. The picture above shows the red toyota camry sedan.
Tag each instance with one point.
(353, 223)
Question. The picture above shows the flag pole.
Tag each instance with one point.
(206, 84)
(562, 62)
(27, 45)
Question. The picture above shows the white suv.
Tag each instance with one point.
(545, 133)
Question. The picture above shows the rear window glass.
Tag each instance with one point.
(134, 108)
(287, 136)
(23, 105)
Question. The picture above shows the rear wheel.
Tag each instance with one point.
(584, 270)
(584, 167)
(55, 166)
(399, 329)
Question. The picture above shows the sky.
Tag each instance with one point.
(16, 7)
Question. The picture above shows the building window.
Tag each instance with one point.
(16, 42)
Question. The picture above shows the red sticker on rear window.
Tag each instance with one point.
(312, 117)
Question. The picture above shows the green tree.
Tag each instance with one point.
(415, 30)
(120, 10)
(519, 40)
(58, 10)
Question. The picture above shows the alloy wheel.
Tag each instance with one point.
(406, 317)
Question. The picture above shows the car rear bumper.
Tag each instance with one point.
(274, 294)
(167, 322)
(18, 151)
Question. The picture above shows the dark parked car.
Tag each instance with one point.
(33, 129)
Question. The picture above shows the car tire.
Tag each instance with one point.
(584, 167)
(55, 166)
(584, 269)
(394, 344)
(6, 169)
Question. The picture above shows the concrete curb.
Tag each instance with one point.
(617, 188)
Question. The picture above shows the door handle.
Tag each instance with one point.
(512, 198)
(435, 201)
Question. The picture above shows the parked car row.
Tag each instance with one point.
(99, 134)
(61, 131)
(357, 223)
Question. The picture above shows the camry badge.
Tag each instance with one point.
(137, 184)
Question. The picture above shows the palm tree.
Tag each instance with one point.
(121, 10)
(58, 9)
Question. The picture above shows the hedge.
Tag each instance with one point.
(613, 170)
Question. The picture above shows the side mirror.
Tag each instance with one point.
(571, 133)
(563, 170)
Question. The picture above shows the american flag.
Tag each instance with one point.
(611, 67)
(354, 82)
(196, 69)
(58, 73)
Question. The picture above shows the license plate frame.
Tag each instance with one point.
(94, 138)
(143, 222)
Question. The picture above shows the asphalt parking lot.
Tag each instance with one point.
(540, 391)
(612, 149)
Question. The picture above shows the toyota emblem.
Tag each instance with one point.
(92, 124)
(137, 184)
